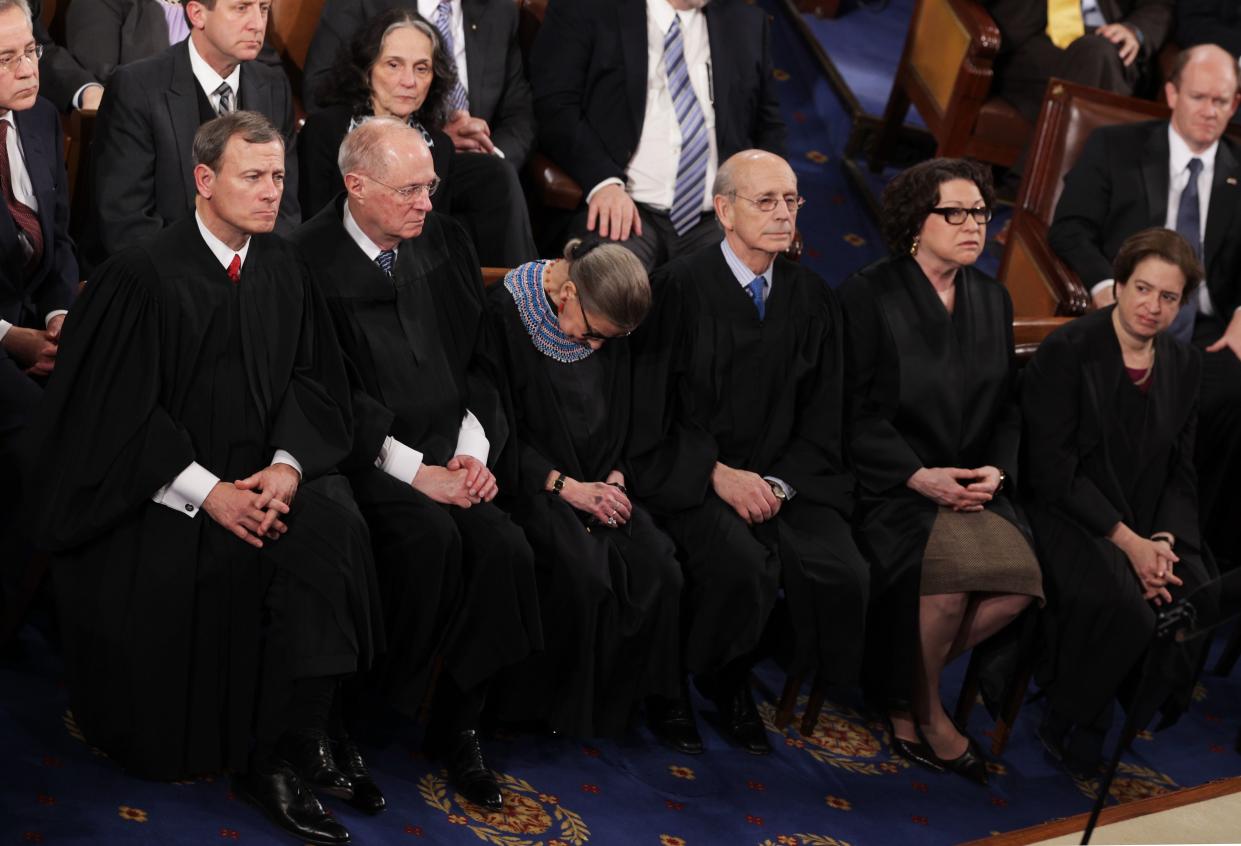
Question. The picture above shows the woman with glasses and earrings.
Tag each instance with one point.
(934, 441)
(395, 67)
(609, 584)
(1110, 403)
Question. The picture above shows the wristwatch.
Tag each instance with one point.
(558, 485)
(778, 491)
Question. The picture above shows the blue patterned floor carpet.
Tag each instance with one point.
(841, 785)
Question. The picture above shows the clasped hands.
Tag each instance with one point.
(1152, 560)
(251, 508)
(604, 501)
(35, 349)
(955, 487)
(468, 133)
(463, 481)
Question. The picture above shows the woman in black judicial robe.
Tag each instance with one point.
(166, 361)
(1110, 403)
(934, 438)
(395, 67)
(609, 582)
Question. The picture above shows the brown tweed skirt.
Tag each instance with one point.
(978, 551)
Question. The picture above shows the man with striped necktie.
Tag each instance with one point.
(639, 100)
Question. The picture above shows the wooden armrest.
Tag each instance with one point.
(1029, 332)
(984, 34)
(1028, 237)
(492, 275)
(554, 187)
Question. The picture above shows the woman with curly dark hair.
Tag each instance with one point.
(934, 436)
(395, 67)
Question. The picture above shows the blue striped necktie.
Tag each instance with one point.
(1188, 220)
(755, 289)
(457, 98)
(692, 166)
(385, 260)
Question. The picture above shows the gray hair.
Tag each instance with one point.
(364, 149)
(213, 136)
(5, 5)
(610, 280)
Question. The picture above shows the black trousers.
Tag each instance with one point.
(1090, 60)
(1218, 446)
(659, 243)
(487, 199)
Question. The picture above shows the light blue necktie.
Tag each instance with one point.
(755, 289)
(457, 98)
(385, 260)
(1188, 226)
(692, 166)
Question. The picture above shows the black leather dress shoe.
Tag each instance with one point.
(969, 763)
(1079, 756)
(740, 722)
(672, 723)
(469, 774)
(914, 751)
(288, 802)
(309, 753)
(366, 794)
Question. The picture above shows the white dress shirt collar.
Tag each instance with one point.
(223, 252)
(210, 80)
(365, 244)
(1179, 153)
(743, 273)
(662, 13)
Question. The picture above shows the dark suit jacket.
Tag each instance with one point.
(1120, 186)
(60, 76)
(27, 296)
(142, 158)
(1020, 20)
(499, 93)
(1209, 22)
(103, 34)
(588, 69)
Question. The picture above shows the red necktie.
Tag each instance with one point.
(234, 269)
(22, 214)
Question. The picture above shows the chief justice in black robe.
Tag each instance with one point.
(1110, 404)
(189, 362)
(405, 293)
(609, 581)
(737, 443)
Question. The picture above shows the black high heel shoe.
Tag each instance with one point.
(915, 751)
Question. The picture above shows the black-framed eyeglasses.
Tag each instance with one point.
(768, 204)
(409, 192)
(590, 334)
(955, 215)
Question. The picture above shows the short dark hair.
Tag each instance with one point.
(1159, 243)
(185, 9)
(350, 79)
(911, 195)
(213, 136)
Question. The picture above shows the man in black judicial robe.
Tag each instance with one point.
(736, 443)
(404, 289)
(202, 357)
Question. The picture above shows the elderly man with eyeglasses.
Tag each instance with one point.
(406, 296)
(736, 444)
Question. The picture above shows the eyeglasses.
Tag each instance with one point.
(956, 215)
(590, 334)
(31, 54)
(768, 204)
(410, 192)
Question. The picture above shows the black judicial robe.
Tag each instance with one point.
(714, 383)
(928, 389)
(165, 361)
(417, 346)
(610, 598)
(1102, 453)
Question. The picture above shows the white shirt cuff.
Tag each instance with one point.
(77, 98)
(399, 461)
(605, 183)
(48, 320)
(471, 439)
(1099, 286)
(5, 326)
(187, 492)
(282, 457)
(789, 493)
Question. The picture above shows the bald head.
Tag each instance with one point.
(745, 184)
(1202, 94)
(377, 145)
(390, 177)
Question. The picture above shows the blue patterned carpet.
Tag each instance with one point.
(839, 786)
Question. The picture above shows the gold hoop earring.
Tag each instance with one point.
(913, 248)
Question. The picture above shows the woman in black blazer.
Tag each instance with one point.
(395, 67)
(1110, 408)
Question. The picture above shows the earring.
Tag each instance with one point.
(913, 248)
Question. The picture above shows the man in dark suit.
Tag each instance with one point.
(65, 82)
(1106, 44)
(1209, 22)
(497, 114)
(141, 149)
(38, 272)
(647, 163)
(1182, 174)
